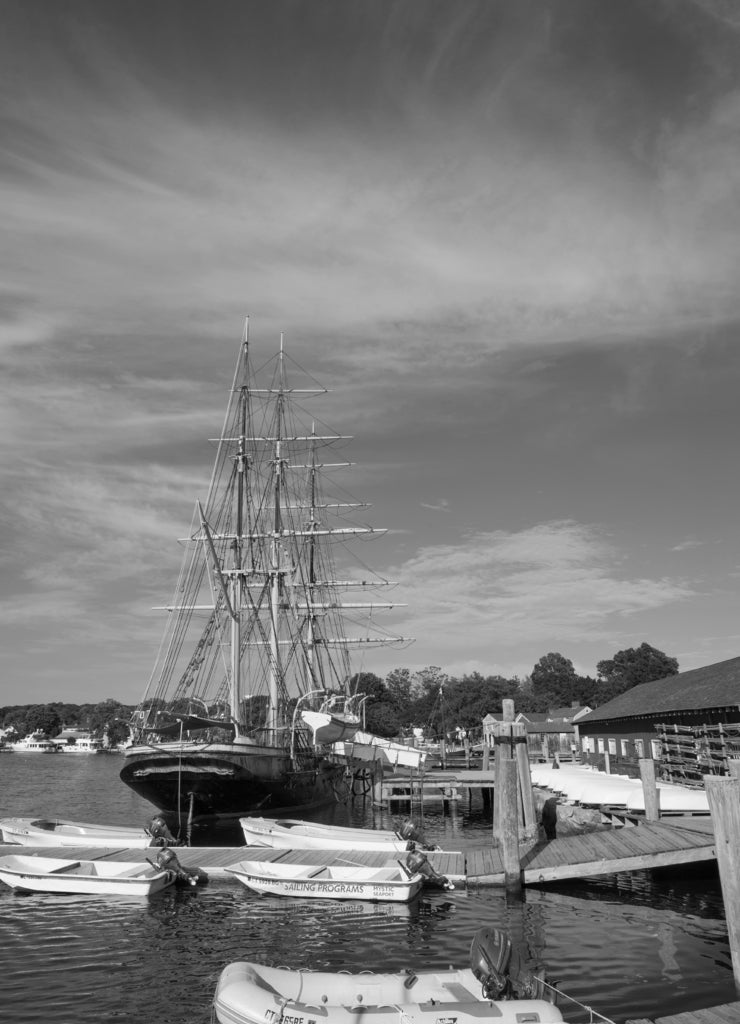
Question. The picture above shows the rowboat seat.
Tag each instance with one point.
(65, 867)
(132, 872)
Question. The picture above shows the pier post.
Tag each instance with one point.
(528, 812)
(378, 781)
(486, 792)
(502, 735)
(650, 791)
(506, 795)
(503, 748)
(607, 763)
(508, 737)
(723, 795)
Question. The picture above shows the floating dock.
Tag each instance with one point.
(602, 852)
(727, 1013)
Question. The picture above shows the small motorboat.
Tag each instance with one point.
(336, 719)
(489, 990)
(291, 834)
(330, 881)
(328, 728)
(90, 877)
(365, 748)
(54, 832)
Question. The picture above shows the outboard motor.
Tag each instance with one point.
(490, 953)
(409, 831)
(417, 861)
(501, 971)
(183, 876)
(160, 833)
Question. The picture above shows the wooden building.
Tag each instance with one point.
(688, 723)
(549, 733)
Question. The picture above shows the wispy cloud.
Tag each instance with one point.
(504, 598)
(687, 545)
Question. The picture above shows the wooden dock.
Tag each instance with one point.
(435, 785)
(602, 852)
(727, 1013)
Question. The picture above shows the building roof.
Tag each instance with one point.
(73, 733)
(713, 686)
(570, 713)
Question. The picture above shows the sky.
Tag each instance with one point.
(506, 236)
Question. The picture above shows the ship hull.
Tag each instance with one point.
(218, 784)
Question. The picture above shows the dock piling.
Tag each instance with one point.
(506, 772)
(650, 791)
(378, 782)
(724, 805)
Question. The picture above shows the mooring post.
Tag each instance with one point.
(528, 812)
(607, 763)
(503, 748)
(650, 791)
(506, 796)
(723, 795)
(486, 792)
(378, 781)
(502, 736)
(506, 791)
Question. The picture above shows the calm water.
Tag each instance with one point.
(638, 945)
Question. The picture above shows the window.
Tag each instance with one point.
(640, 748)
(625, 748)
(655, 747)
(612, 746)
(601, 745)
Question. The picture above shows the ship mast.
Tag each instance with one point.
(275, 550)
(237, 579)
(310, 594)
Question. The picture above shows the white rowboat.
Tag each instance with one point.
(291, 834)
(56, 833)
(90, 877)
(330, 881)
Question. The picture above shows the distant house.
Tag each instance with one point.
(689, 723)
(77, 740)
(549, 733)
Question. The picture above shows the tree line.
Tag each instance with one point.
(428, 699)
(107, 718)
(440, 703)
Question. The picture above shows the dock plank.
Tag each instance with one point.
(727, 1013)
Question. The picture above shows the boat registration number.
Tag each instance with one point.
(284, 1018)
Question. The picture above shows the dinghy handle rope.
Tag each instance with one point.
(594, 1015)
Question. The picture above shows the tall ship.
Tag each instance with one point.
(252, 687)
